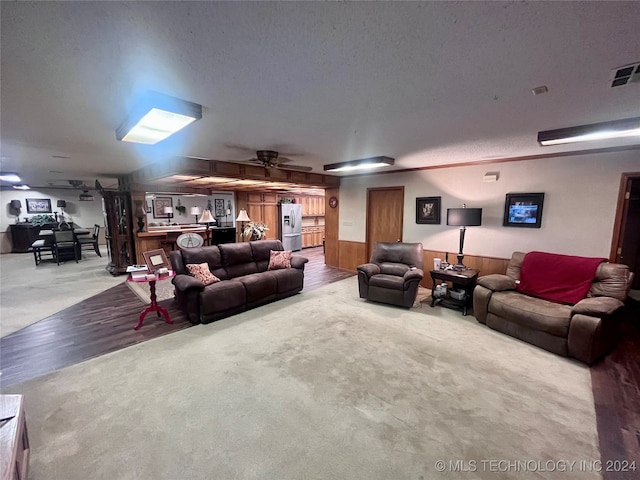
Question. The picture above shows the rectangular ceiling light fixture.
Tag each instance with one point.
(9, 177)
(362, 164)
(627, 127)
(157, 117)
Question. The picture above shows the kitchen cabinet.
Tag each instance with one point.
(263, 208)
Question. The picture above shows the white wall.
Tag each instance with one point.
(579, 205)
(189, 202)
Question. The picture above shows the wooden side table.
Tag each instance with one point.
(460, 279)
(14, 440)
(153, 307)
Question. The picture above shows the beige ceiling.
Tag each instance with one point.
(428, 83)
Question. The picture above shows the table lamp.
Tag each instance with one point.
(207, 218)
(16, 206)
(242, 218)
(195, 211)
(62, 204)
(168, 211)
(463, 217)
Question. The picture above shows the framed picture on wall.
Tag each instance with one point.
(523, 210)
(428, 210)
(159, 204)
(220, 211)
(38, 205)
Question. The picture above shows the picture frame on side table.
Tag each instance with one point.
(428, 210)
(159, 204)
(523, 210)
(38, 205)
(156, 259)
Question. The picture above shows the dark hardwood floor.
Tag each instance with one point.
(104, 323)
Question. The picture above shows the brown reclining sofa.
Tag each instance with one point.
(245, 282)
(586, 330)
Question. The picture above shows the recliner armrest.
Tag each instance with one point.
(497, 282)
(415, 273)
(597, 306)
(369, 269)
(185, 282)
(298, 262)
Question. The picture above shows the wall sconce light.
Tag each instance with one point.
(195, 211)
(362, 164)
(242, 218)
(627, 127)
(463, 217)
(157, 117)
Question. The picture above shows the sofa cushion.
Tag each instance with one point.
(222, 296)
(279, 259)
(387, 281)
(258, 286)
(237, 259)
(211, 255)
(557, 278)
(261, 252)
(612, 280)
(202, 273)
(533, 313)
(392, 268)
(288, 279)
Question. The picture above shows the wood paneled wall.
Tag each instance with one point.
(352, 254)
(331, 227)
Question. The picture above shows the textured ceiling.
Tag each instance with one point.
(426, 83)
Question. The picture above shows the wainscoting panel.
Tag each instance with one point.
(352, 254)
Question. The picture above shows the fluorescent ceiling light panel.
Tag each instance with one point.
(22, 187)
(156, 118)
(628, 127)
(9, 177)
(362, 164)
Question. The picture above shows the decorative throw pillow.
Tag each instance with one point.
(201, 272)
(279, 259)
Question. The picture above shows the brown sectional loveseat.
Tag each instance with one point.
(245, 282)
(586, 330)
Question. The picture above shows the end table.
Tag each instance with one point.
(153, 307)
(464, 279)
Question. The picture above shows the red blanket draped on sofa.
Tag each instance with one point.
(557, 278)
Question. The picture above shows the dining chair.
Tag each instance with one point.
(65, 245)
(92, 241)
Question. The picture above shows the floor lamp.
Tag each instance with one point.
(463, 217)
(208, 219)
(242, 218)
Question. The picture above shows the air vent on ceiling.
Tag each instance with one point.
(625, 75)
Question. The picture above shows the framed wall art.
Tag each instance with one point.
(38, 205)
(523, 210)
(220, 211)
(428, 210)
(159, 204)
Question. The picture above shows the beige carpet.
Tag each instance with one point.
(322, 385)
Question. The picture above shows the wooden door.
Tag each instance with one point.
(627, 241)
(385, 210)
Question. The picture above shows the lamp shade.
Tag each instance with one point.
(206, 217)
(464, 217)
(61, 203)
(168, 210)
(16, 204)
(242, 216)
(195, 211)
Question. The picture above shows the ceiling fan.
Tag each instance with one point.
(272, 159)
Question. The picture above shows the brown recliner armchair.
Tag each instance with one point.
(393, 274)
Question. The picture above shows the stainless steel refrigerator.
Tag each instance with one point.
(290, 226)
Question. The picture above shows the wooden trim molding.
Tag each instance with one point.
(621, 211)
